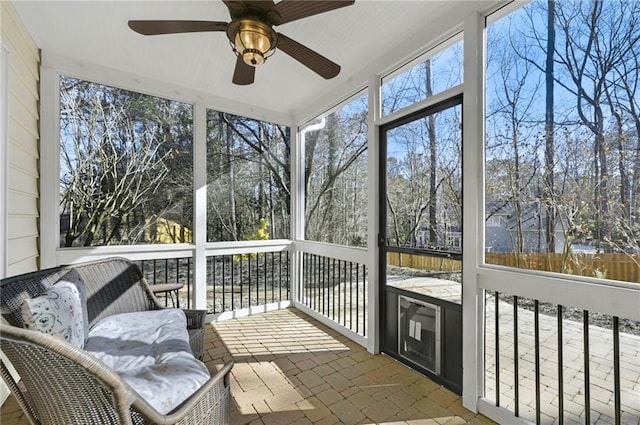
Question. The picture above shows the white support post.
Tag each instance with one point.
(473, 212)
(373, 219)
(298, 203)
(200, 205)
(49, 164)
(296, 144)
(4, 160)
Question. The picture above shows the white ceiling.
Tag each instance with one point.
(365, 38)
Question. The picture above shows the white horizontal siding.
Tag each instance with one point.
(22, 145)
(21, 226)
(20, 116)
(23, 159)
(25, 265)
(21, 138)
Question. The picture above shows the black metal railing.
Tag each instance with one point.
(543, 361)
(170, 270)
(247, 280)
(336, 289)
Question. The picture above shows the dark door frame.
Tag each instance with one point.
(383, 248)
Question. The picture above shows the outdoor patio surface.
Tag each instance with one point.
(601, 368)
(291, 369)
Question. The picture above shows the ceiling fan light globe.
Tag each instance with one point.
(253, 58)
(254, 41)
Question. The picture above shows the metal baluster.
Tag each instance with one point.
(309, 266)
(304, 295)
(516, 358)
(288, 274)
(616, 369)
(224, 283)
(241, 283)
(280, 274)
(188, 282)
(232, 281)
(338, 285)
(213, 277)
(344, 301)
(587, 374)
(272, 255)
(322, 282)
(177, 267)
(317, 279)
(166, 270)
(351, 295)
(333, 289)
(560, 368)
(306, 282)
(497, 351)
(265, 277)
(357, 296)
(364, 287)
(536, 320)
(257, 280)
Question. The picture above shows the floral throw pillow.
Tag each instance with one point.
(59, 311)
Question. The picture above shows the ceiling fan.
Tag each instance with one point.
(252, 36)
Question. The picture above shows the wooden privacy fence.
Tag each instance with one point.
(623, 267)
(423, 262)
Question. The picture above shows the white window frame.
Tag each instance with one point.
(4, 160)
(52, 68)
(615, 298)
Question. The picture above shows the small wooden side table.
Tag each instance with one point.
(167, 289)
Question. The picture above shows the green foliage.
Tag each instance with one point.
(261, 234)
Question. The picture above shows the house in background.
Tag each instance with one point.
(502, 226)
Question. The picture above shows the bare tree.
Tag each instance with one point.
(593, 46)
(513, 135)
(433, 160)
(549, 151)
(248, 177)
(110, 167)
(335, 185)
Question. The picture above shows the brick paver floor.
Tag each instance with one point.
(601, 368)
(291, 369)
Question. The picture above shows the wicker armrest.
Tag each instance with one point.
(195, 318)
(211, 404)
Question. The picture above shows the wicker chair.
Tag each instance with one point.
(62, 384)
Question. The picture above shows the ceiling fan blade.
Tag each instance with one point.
(312, 60)
(291, 10)
(173, 27)
(244, 74)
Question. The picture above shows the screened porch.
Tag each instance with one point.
(428, 238)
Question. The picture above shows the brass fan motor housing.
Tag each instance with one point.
(252, 39)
